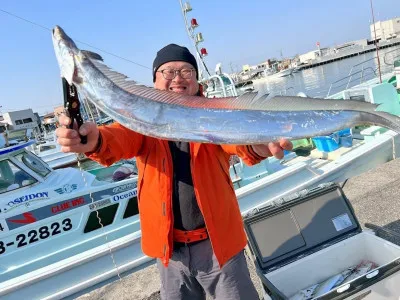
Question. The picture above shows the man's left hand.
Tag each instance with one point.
(273, 148)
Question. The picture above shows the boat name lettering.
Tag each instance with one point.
(25, 198)
(98, 204)
(122, 188)
(125, 195)
(67, 205)
(35, 235)
(3, 226)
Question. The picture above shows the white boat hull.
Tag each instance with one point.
(306, 172)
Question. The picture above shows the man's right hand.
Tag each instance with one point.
(70, 140)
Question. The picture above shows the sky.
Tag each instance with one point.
(235, 33)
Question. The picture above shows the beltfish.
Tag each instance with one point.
(243, 120)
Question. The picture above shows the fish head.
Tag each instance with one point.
(66, 53)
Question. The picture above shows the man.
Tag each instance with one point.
(190, 218)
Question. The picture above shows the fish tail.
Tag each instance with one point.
(382, 119)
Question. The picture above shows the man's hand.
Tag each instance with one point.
(69, 138)
(273, 148)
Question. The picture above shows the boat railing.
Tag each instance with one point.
(385, 57)
(361, 64)
(224, 88)
(350, 78)
(363, 70)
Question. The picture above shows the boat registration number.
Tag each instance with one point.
(35, 235)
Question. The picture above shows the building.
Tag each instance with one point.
(385, 30)
(309, 57)
(48, 119)
(20, 124)
(20, 119)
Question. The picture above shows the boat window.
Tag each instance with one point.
(132, 208)
(106, 215)
(47, 147)
(33, 163)
(12, 177)
(27, 120)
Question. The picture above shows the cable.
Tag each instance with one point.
(84, 43)
(343, 184)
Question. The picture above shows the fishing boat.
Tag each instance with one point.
(50, 152)
(59, 227)
(284, 72)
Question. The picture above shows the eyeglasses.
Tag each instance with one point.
(170, 74)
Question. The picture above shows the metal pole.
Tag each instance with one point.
(191, 36)
(376, 43)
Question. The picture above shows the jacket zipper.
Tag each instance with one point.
(196, 192)
(193, 179)
(167, 247)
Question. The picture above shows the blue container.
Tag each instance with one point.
(344, 132)
(346, 141)
(327, 143)
(334, 141)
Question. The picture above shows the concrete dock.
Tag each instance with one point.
(375, 196)
(352, 51)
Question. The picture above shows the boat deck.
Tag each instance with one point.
(374, 196)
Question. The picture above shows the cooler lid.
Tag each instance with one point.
(299, 224)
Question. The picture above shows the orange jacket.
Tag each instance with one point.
(212, 186)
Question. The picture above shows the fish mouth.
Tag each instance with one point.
(58, 33)
(62, 38)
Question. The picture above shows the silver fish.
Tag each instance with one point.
(247, 119)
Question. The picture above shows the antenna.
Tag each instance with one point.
(376, 44)
(195, 38)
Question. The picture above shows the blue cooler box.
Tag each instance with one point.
(328, 143)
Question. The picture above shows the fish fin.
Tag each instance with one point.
(246, 101)
(251, 100)
(92, 55)
(116, 77)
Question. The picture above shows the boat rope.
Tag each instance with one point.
(98, 217)
(393, 148)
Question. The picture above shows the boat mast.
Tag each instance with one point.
(195, 38)
(376, 44)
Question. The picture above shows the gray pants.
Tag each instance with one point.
(193, 272)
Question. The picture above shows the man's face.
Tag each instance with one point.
(178, 84)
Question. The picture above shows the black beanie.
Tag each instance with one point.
(173, 52)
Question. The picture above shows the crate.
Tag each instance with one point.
(346, 141)
(329, 143)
